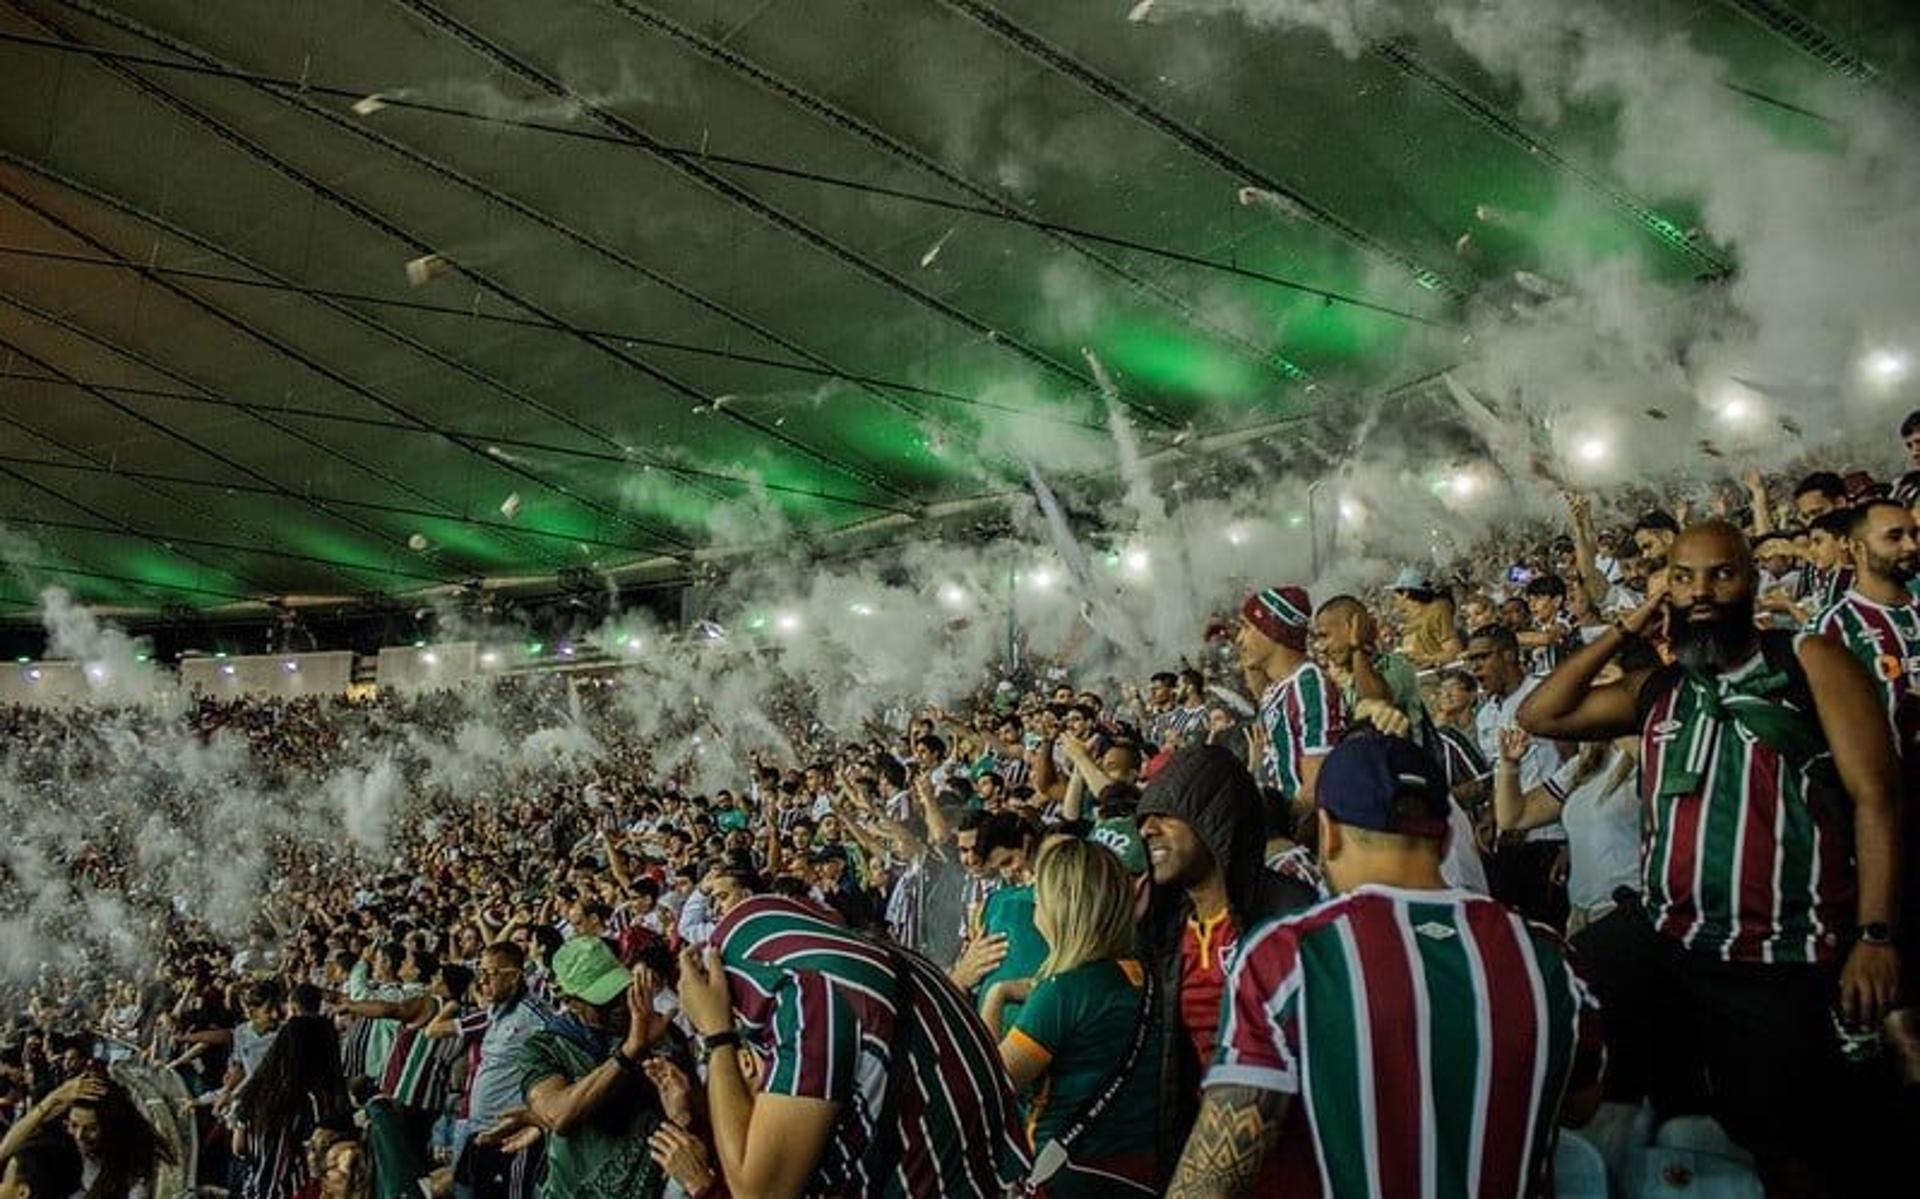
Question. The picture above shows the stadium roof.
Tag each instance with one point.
(366, 296)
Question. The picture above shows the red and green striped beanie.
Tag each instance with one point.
(1281, 613)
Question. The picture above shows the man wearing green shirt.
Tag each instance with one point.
(583, 1079)
(1376, 686)
(1006, 844)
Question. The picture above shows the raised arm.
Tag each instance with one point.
(1567, 706)
(1586, 549)
(407, 1011)
(1756, 486)
(939, 831)
(1513, 810)
(1084, 767)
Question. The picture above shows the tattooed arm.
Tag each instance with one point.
(1237, 1128)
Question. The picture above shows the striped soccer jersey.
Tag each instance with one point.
(819, 1004)
(1303, 717)
(1886, 639)
(1823, 588)
(1429, 1035)
(1752, 865)
(1460, 756)
(1178, 726)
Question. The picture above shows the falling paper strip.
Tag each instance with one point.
(1140, 11)
(425, 269)
(1539, 285)
(417, 542)
(926, 260)
(510, 507)
(368, 105)
(1266, 198)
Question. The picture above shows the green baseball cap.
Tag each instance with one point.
(585, 968)
(1121, 835)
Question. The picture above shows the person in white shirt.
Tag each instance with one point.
(1522, 875)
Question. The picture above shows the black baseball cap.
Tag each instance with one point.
(1387, 784)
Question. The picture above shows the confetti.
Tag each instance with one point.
(1141, 11)
(926, 260)
(1464, 246)
(1656, 414)
(510, 507)
(368, 105)
(1269, 199)
(417, 542)
(425, 269)
(1538, 285)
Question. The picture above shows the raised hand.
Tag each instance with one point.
(1514, 743)
(676, 1092)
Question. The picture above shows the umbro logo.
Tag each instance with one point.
(1433, 930)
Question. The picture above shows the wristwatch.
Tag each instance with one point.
(1876, 933)
(709, 1044)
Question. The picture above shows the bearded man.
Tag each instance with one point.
(1770, 866)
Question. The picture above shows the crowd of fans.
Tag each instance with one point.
(1416, 878)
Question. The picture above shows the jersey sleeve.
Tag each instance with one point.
(1560, 783)
(540, 1060)
(1045, 1019)
(1259, 1016)
(815, 1042)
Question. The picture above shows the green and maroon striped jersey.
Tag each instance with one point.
(1429, 1035)
(1303, 716)
(1753, 863)
(819, 1004)
(1886, 639)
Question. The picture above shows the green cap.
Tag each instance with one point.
(586, 969)
(1122, 836)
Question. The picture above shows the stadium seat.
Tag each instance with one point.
(1701, 1134)
(1659, 1172)
(1616, 1130)
(1579, 1171)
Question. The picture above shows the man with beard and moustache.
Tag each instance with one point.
(1205, 837)
(1878, 622)
(1766, 912)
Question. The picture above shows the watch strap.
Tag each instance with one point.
(719, 1040)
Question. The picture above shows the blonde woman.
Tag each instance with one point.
(1428, 636)
(1080, 1018)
